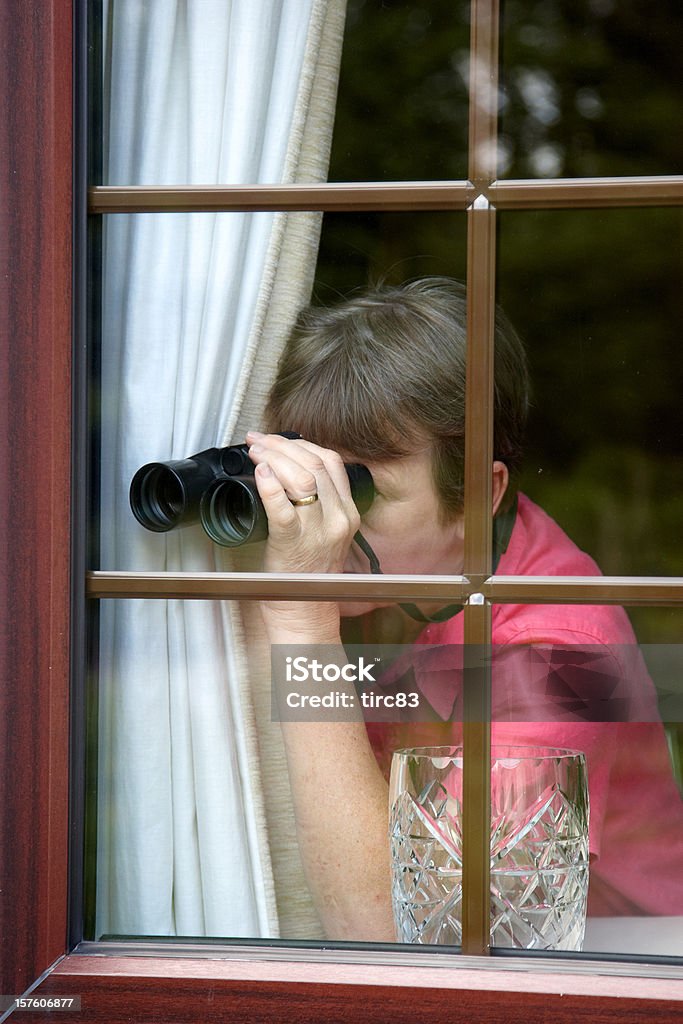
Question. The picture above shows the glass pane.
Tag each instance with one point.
(180, 297)
(178, 689)
(638, 867)
(194, 816)
(573, 677)
(590, 89)
(596, 298)
(402, 109)
(358, 250)
(225, 100)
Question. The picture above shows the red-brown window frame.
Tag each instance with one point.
(36, 135)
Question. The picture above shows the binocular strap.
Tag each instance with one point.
(502, 531)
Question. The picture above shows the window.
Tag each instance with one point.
(51, 34)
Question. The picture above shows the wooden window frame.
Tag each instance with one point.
(249, 983)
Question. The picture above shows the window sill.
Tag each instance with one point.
(320, 987)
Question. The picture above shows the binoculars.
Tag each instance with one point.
(217, 487)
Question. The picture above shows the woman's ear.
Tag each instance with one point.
(501, 478)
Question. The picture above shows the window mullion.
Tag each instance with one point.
(483, 105)
(478, 483)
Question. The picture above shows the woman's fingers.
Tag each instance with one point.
(279, 509)
(298, 479)
(290, 459)
(312, 534)
(334, 465)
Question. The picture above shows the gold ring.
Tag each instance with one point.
(309, 500)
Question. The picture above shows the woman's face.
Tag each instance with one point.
(403, 526)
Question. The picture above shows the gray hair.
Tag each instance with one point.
(382, 374)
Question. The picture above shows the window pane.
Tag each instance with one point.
(225, 99)
(596, 297)
(180, 297)
(357, 250)
(643, 823)
(590, 89)
(402, 105)
(574, 677)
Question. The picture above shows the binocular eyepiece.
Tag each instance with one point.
(217, 487)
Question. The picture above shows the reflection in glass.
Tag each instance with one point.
(590, 89)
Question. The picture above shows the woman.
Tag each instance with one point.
(379, 380)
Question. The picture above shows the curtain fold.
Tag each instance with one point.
(192, 794)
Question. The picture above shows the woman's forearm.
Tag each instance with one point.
(340, 802)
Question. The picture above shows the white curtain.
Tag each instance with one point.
(194, 309)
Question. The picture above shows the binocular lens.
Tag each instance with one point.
(159, 498)
(230, 511)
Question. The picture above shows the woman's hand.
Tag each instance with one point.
(313, 537)
(303, 538)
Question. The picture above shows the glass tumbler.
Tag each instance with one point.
(539, 846)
